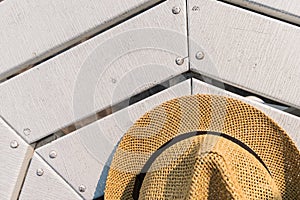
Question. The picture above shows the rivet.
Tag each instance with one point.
(26, 131)
(179, 61)
(113, 80)
(52, 154)
(196, 8)
(14, 144)
(39, 172)
(199, 55)
(176, 10)
(81, 188)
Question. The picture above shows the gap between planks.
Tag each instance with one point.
(80, 39)
(266, 11)
(95, 32)
(150, 92)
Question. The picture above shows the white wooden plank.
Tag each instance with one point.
(32, 30)
(48, 186)
(83, 156)
(250, 51)
(14, 159)
(109, 68)
(290, 123)
(286, 10)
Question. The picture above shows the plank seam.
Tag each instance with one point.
(263, 13)
(28, 164)
(113, 108)
(10, 126)
(78, 40)
(77, 192)
(188, 33)
(24, 178)
(145, 94)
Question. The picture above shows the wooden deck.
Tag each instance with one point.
(75, 75)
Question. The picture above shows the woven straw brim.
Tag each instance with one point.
(207, 113)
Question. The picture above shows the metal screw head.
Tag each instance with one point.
(81, 188)
(113, 80)
(39, 172)
(14, 144)
(26, 131)
(176, 10)
(179, 61)
(199, 55)
(52, 154)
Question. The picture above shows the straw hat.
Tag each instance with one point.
(204, 147)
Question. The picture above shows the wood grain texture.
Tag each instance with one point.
(250, 51)
(286, 10)
(105, 70)
(33, 30)
(13, 162)
(290, 123)
(49, 186)
(84, 156)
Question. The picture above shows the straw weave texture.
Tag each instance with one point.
(206, 167)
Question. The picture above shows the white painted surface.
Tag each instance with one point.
(245, 49)
(83, 156)
(290, 123)
(32, 30)
(286, 10)
(49, 186)
(13, 162)
(109, 68)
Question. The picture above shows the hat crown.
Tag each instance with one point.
(213, 114)
(225, 172)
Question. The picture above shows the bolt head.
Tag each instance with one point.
(179, 61)
(199, 55)
(26, 131)
(52, 154)
(113, 80)
(81, 188)
(176, 10)
(39, 172)
(14, 144)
